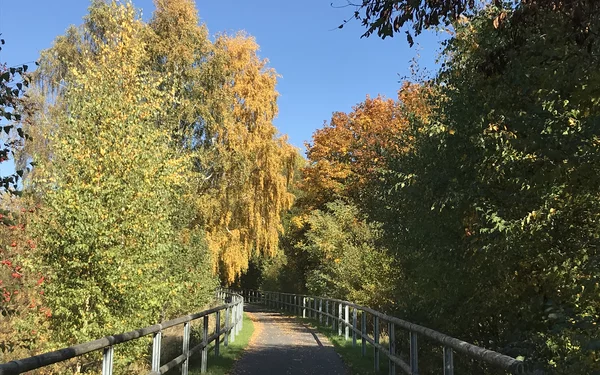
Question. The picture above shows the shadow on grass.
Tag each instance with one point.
(228, 354)
(351, 355)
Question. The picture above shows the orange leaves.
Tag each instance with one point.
(352, 149)
(348, 151)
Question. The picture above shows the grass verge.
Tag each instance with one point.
(352, 356)
(228, 355)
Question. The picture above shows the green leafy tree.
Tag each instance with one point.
(349, 262)
(501, 190)
(105, 229)
(388, 17)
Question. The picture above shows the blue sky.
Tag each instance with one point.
(324, 69)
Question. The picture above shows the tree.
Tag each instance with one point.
(498, 179)
(222, 102)
(105, 227)
(247, 166)
(349, 263)
(387, 17)
(349, 152)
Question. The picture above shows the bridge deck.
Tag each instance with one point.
(282, 345)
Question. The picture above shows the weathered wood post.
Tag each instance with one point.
(320, 311)
(204, 360)
(340, 319)
(448, 361)
(217, 332)
(347, 322)
(226, 339)
(363, 329)
(232, 316)
(156, 342)
(376, 339)
(304, 307)
(295, 305)
(241, 325)
(392, 347)
(414, 351)
(354, 326)
(107, 360)
(186, 348)
(327, 313)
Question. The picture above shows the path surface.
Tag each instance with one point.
(282, 345)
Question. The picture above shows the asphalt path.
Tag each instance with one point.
(283, 345)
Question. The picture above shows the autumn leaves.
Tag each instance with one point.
(158, 168)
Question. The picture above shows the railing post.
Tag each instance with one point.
(107, 360)
(339, 319)
(203, 364)
(347, 322)
(239, 318)
(363, 329)
(375, 347)
(354, 326)
(295, 304)
(217, 332)
(448, 361)
(304, 307)
(320, 311)
(226, 339)
(232, 316)
(156, 342)
(186, 348)
(392, 347)
(327, 313)
(414, 357)
(241, 315)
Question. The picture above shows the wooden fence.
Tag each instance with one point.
(233, 308)
(345, 316)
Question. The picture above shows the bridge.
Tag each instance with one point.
(362, 325)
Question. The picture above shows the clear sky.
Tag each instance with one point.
(324, 69)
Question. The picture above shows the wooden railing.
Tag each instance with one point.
(345, 316)
(233, 308)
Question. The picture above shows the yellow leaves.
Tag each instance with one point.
(241, 206)
(299, 221)
(572, 122)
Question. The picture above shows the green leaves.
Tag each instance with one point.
(110, 193)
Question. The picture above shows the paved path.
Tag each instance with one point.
(282, 345)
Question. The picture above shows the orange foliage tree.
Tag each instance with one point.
(349, 151)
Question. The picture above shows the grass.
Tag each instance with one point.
(228, 355)
(352, 356)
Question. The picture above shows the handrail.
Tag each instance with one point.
(233, 307)
(300, 304)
